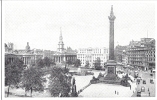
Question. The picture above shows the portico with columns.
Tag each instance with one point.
(29, 58)
(59, 58)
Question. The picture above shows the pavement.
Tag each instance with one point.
(82, 81)
(106, 90)
(101, 89)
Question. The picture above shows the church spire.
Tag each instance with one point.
(60, 44)
(60, 38)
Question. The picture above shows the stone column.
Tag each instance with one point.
(24, 60)
(29, 60)
(111, 64)
(111, 39)
(64, 58)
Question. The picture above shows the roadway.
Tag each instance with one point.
(145, 75)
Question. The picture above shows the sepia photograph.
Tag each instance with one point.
(78, 49)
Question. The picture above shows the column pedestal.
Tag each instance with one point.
(111, 70)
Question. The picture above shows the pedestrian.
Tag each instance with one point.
(149, 93)
(60, 95)
(130, 87)
(133, 91)
(115, 92)
(148, 89)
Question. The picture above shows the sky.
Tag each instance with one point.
(84, 23)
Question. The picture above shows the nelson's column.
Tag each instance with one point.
(111, 64)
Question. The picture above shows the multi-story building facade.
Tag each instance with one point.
(118, 53)
(124, 58)
(150, 54)
(141, 54)
(48, 53)
(91, 54)
(9, 55)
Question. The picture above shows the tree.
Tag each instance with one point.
(52, 62)
(32, 80)
(124, 80)
(32, 63)
(87, 64)
(77, 63)
(69, 62)
(59, 82)
(47, 61)
(97, 64)
(13, 72)
(40, 63)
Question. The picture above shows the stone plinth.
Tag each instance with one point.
(111, 70)
(111, 67)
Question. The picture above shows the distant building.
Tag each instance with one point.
(9, 47)
(150, 61)
(62, 54)
(141, 54)
(91, 54)
(27, 55)
(48, 53)
(118, 52)
(124, 58)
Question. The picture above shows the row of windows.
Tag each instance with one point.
(101, 64)
(151, 59)
(150, 55)
(138, 63)
(85, 55)
(90, 58)
(94, 51)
